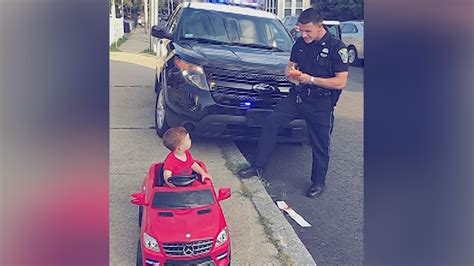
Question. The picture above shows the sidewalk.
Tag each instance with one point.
(260, 233)
(137, 42)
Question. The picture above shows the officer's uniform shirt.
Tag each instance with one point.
(320, 58)
(323, 59)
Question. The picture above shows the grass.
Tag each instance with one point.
(114, 49)
(147, 51)
(115, 46)
(235, 167)
(282, 256)
(245, 192)
(265, 183)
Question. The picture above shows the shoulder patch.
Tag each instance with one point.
(343, 54)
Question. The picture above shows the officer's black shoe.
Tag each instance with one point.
(315, 191)
(250, 171)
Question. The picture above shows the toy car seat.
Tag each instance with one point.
(159, 179)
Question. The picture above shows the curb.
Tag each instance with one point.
(289, 242)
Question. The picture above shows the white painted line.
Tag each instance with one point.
(292, 213)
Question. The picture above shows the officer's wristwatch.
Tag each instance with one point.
(312, 80)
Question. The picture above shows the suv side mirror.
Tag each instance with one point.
(138, 198)
(224, 193)
(160, 33)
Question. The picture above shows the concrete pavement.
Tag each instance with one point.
(137, 41)
(257, 238)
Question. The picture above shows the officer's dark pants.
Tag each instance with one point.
(318, 113)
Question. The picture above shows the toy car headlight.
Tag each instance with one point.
(193, 74)
(150, 242)
(222, 237)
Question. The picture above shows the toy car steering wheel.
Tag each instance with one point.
(182, 180)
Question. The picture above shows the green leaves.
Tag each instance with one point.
(341, 10)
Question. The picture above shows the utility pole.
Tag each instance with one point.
(153, 21)
(145, 8)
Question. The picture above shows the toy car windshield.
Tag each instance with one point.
(183, 199)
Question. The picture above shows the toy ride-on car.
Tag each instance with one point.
(182, 225)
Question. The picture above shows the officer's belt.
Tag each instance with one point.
(316, 90)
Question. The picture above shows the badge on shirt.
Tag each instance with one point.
(343, 54)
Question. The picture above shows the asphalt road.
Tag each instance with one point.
(336, 235)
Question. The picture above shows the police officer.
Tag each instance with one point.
(322, 59)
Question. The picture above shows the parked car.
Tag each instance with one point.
(353, 37)
(221, 70)
(183, 224)
(333, 26)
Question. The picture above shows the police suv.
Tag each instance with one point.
(220, 72)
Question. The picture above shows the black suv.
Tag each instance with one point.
(220, 72)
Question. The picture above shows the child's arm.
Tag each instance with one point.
(198, 169)
(166, 175)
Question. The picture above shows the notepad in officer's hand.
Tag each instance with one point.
(295, 216)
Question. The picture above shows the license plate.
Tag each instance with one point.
(256, 118)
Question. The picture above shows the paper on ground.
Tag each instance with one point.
(295, 216)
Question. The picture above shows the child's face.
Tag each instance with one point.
(186, 144)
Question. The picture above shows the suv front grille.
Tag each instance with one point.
(234, 88)
(188, 249)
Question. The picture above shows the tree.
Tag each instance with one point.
(340, 9)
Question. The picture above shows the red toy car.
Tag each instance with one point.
(183, 224)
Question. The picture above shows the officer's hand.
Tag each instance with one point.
(291, 78)
(304, 78)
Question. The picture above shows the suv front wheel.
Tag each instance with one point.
(161, 125)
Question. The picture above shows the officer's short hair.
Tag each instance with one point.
(310, 15)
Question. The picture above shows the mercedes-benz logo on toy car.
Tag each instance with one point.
(188, 250)
(263, 88)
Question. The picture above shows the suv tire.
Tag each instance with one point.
(157, 84)
(161, 125)
(353, 58)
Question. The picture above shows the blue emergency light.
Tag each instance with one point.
(246, 104)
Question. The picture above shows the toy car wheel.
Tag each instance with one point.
(139, 254)
(352, 56)
(140, 214)
(161, 125)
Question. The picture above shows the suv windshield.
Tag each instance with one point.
(233, 29)
(185, 199)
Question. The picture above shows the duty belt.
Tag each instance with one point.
(320, 91)
(311, 90)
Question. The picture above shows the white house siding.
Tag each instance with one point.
(292, 7)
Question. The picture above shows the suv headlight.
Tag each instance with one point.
(193, 74)
(222, 237)
(150, 242)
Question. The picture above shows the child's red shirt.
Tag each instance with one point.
(178, 167)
